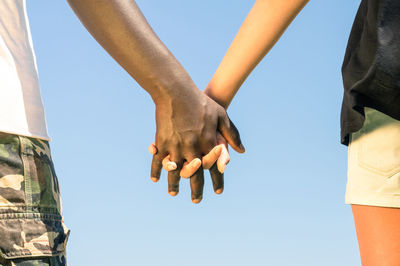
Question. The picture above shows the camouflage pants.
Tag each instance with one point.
(32, 231)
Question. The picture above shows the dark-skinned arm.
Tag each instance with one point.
(187, 120)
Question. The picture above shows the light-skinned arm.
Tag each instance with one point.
(262, 28)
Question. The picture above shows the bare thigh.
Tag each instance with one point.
(378, 233)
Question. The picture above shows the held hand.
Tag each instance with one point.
(186, 129)
(216, 160)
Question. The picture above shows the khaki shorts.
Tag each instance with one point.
(373, 176)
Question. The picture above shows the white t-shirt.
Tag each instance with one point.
(21, 107)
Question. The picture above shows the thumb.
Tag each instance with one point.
(230, 133)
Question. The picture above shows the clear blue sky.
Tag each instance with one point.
(283, 202)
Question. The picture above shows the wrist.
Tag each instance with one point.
(175, 92)
(215, 96)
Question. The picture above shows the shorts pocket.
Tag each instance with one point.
(378, 144)
(31, 223)
(29, 235)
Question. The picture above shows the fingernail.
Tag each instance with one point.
(242, 147)
(173, 193)
(154, 179)
(217, 150)
(219, 191)
(196, 201)
(197, 162)
(152, 150)
(221, 169)
(171, 166)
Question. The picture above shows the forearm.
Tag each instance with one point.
(262, 28)
(122, 30)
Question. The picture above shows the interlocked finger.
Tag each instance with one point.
(173, 182)
(223, 159)
(174, 176)
(152, 148)
(189, 168)
(217, 179)
(168, 165)
(210, 158)
(156, 166)
(196, 185)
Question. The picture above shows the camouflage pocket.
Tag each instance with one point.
(31, 222)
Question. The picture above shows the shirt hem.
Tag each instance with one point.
(31, 135)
